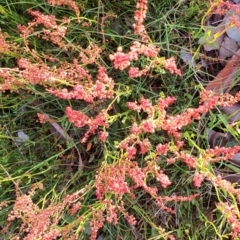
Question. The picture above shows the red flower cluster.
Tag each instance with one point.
(198, 179)
(96, 223)
(72, 4)
(136, 72)
(111, 178)
(36, 223)
(4, 47)
(103, 88)
(52, 31)
(80, 119)
(170, 65)
(220, 153)
(123, 60)
(139, 16)
(231, 213)
(90, 54)
(162, 149)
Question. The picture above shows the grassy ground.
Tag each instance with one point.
(32, 153)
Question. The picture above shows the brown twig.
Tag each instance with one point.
(63, 134)
(68, 138)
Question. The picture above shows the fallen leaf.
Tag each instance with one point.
(187, 58)
(233, 32)
(228, 48)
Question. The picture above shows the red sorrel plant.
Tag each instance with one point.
(81, 77)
